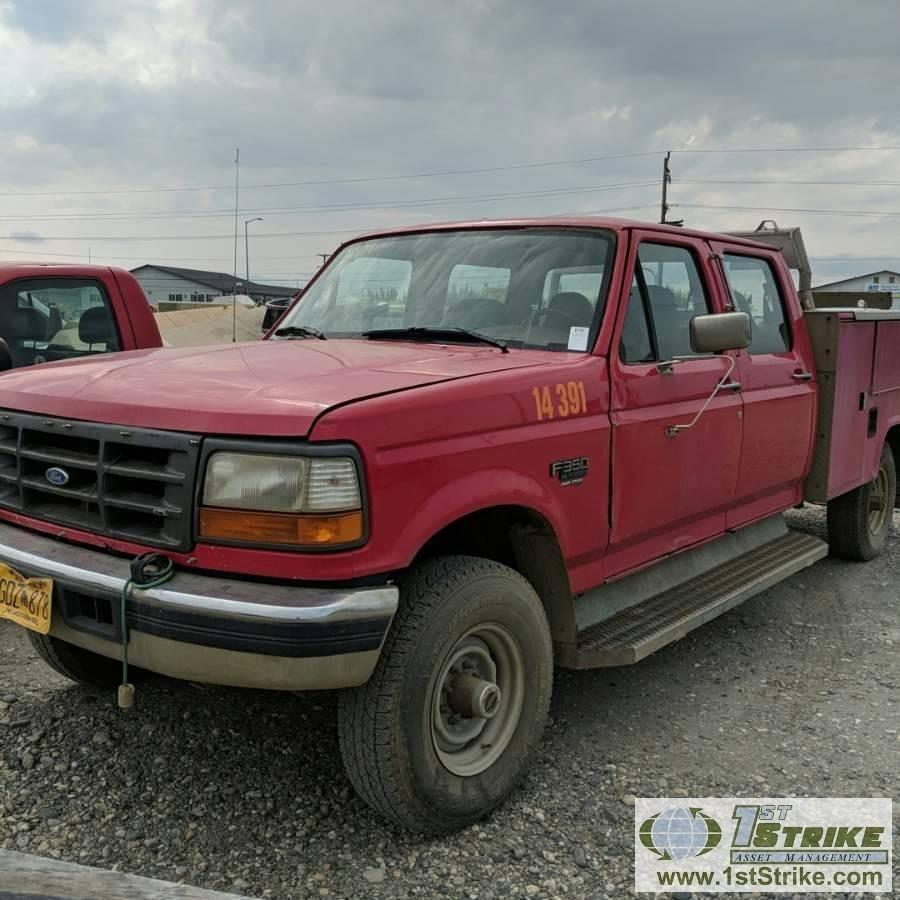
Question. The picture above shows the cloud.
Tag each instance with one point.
(30, 236)
(106, 95)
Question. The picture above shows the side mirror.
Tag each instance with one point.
(6, 362)
(720, 331)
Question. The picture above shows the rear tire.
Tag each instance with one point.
(77, 664)
(463, 623)
(860, 520)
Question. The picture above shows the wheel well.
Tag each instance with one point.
(893, 440)
(522, 539)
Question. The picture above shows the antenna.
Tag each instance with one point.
(237, 182)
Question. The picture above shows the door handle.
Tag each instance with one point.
(731, 386)
(802, 376)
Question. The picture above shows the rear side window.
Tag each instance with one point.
(667, 292)
(44, 320)
(586, 281)
(754, 290)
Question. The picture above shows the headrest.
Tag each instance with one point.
(28, 324)
(96, 326)
(574, 305)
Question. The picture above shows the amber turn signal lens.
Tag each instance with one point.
(280, 528)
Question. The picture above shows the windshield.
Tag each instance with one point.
(542, 288)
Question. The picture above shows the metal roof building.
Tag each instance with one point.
(168, 283)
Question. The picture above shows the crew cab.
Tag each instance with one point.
(52, 312)
(469, 452)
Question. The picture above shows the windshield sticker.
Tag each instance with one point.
(578, 337)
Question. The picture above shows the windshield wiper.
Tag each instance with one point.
(433, 333)
(300, 331)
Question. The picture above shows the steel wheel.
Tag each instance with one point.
(477, 699)
(879, 505)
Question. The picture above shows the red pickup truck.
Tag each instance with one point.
(468, 452)
(52, 312)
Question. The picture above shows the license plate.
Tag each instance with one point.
(25, 601)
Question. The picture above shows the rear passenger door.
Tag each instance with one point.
(668, 492)
(779, 396)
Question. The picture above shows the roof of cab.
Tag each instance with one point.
(600, 222)
(74, 269)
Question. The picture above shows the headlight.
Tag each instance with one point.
(254, 481)
(269, 499)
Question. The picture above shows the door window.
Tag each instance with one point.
(43, 320)
(754, 290)
(667, 292)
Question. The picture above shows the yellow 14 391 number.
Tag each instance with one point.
(569, 400)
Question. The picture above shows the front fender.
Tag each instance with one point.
(475, 492)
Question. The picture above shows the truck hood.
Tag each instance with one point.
(261, 388)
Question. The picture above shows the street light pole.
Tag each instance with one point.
(247, 249)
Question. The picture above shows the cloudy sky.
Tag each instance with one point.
(119, 121)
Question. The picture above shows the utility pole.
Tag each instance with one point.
(666, 178)
(247, 250)
(237, 182)
(324, 258)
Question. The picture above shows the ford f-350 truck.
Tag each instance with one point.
(470, 451)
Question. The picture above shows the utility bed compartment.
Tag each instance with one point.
(857, 356)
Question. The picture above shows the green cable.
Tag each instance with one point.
(161, 574)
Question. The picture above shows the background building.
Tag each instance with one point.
(884, 281)
(169, 284)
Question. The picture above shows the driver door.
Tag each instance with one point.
(668, 492)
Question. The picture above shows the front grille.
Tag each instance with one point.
(129, 483)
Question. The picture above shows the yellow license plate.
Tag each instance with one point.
(26, 601)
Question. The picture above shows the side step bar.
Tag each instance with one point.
(636, 632)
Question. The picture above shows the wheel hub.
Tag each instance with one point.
(477, 699)
(473, 697)
(879, 505)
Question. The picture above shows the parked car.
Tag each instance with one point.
(56, 312)
(471, 452)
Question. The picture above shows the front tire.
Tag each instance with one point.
(77, 664)
(860, 520)
(449, 721)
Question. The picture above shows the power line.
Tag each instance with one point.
(168, 259)
(262, 234)
(795, 209)
(452, 172)
(781, 181)
(327, 181)
(334, 207)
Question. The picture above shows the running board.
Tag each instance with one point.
(638, 631)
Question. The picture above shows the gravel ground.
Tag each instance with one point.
(796, 692)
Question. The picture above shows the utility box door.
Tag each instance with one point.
(844, 350)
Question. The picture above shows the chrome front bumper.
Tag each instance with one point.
(210, 629)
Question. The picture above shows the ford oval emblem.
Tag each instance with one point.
(57, 476)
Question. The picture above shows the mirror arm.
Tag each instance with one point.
(673, 430)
